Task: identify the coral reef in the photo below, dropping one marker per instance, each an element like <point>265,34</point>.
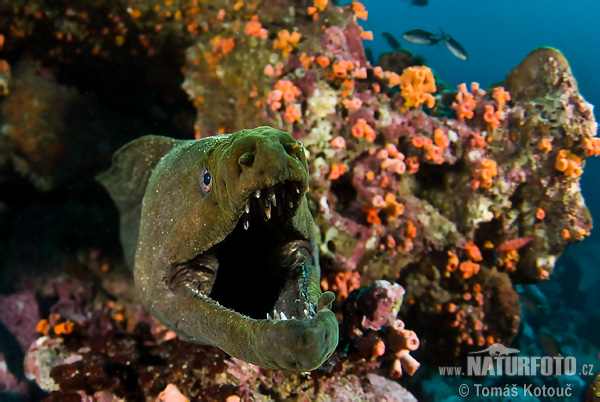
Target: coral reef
<point>457,197</point>
<point>101,355</point>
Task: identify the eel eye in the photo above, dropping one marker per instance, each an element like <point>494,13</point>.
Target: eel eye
<point>205,181</point>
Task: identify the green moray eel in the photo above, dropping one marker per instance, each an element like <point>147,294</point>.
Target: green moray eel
<point>223,244</point>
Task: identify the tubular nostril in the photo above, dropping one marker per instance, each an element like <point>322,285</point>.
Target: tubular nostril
<point>246,159</point>
<point>293,149</point>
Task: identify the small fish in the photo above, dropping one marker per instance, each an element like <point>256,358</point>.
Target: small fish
<point>533,299</point>
<point>421,37</point>
<point>419,3</point>
<point>514,244</point>
<point>551,345</point>
<point>454,47</point>
<point>393,42</point>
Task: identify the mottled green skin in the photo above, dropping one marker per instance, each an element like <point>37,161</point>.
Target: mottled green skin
<point>177,222</point>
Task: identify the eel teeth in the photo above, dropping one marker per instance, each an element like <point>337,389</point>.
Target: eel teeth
<point>276,315</point>
<point>273,198</point>
<point>246,223</point>
<point>257,194</point>
<point>309,310</point>
<point>247,206</point>
<point>268,211</point>
<point>291,204</point>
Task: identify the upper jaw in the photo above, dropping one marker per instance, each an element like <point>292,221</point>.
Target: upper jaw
<point>282,198</point>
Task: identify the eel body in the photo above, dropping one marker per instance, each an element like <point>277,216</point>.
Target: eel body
<point>223,246</point>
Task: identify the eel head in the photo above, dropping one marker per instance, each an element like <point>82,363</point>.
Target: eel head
<point>227,251</point>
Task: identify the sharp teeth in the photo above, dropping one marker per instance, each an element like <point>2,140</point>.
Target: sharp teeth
<point>268,211</point>
<point>309,309</point>
<point>273,198</point>
<point>291,204</point>
<point>246,223</point>
<point>257,194</point>
<point>283,317</point>
<point>269,316</point>
<point>297,190</point>
<point>247,206</point>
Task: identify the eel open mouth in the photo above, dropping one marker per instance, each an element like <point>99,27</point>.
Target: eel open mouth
<point>262,268</point>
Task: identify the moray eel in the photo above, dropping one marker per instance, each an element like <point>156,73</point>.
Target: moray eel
<point>223,245</point>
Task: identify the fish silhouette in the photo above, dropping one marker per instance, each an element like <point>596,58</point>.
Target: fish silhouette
<point>497,349</point>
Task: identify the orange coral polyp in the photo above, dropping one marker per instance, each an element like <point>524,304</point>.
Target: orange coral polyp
<point>452,263</point>
<point>321,4</point>
<point>545,145</point>
<point>440,139</point>
<point>292,114</point>
<point>413,164</point>
<point>468,268</point>
<point>221,45</point>
<point>362,129</point>
<point>473,252</point>
<point>568,163</point>
<point>501,96</point>
<point>255,28</point>
<point>323,61</point>
<point>492,117</point>
<point>411,231</point>
<point>465,102</point>
<point>417,85</point>
<point>366,35</point>
<point>361,73</point>
<point>341,68</point>
<point>43,326</point>
<point>540,214</point>
<point>352,104</point>
<point>358,130</point>
<point>286,41</point>
<point>417,141</point>
<point>372,214</point>
<point>338,142</point>
<point>64,328</point>
<point>486,174</point>
<point>392,207</point>
<point>592,146</point>
<point>337,171</point>
<point>483,175</point>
